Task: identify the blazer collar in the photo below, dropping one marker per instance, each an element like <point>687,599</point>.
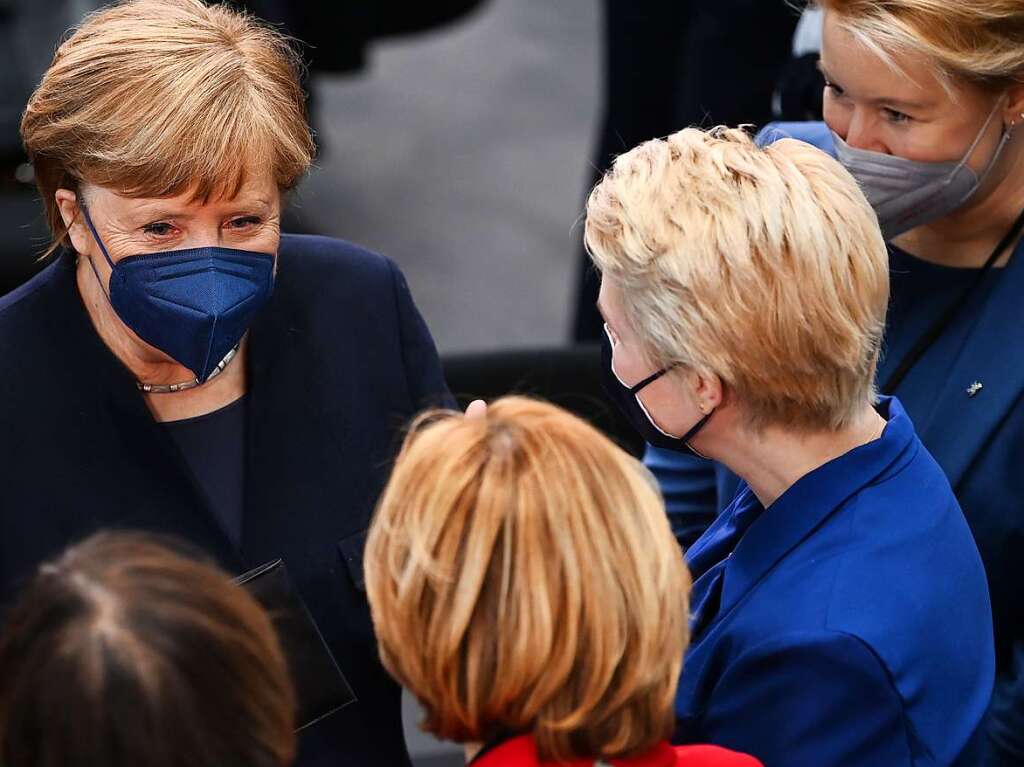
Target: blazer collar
<point>812,500</point>
<point>993,356</point>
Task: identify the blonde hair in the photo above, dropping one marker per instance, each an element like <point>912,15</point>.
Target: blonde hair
<point>523,577</point>
<point>980,41</point>
<point>153,98</point>
<point>763,266</point>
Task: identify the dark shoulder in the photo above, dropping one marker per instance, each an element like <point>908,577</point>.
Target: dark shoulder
<point>34,308</point>
<point>59,273</point>
<point>326,260</point>
<point>323,282</point>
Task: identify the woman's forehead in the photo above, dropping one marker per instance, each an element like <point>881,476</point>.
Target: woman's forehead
<point>867,73</point>
<point>259,193</point>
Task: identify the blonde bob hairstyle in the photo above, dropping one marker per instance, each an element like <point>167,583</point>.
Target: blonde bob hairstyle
<point>155,98</point>
<point>763,266</point>
<point>977,41</point>
<point>523,578</point>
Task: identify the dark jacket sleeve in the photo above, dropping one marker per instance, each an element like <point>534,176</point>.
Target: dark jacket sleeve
<point>810,699</point>
<point>423,376</point>
<point>1006,726</point>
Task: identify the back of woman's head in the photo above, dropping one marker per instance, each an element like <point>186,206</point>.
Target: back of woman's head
<point>523,578</point>
<point>123,653</point>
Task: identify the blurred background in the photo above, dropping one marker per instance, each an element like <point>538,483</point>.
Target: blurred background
<point>460,140</point>
<point>462,154</point>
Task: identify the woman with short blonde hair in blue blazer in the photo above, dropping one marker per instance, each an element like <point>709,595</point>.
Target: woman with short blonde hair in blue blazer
<point>840,610</point>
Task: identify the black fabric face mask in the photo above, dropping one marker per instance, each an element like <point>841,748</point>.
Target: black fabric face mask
<point>625,397</point>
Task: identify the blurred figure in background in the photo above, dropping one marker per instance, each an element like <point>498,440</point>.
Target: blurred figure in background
<point>799,94</point>
<point>335,35</point>
<point>30,31</point>
<point>123,653</point>
<point>526,588</point>
<point>669,64</point>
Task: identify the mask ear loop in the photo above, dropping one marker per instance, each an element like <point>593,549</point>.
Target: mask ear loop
<point>685,439</point>
<point>103,248</point>
<point>991,163</point>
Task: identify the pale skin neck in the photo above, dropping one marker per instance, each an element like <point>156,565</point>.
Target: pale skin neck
<point>149,366</point>
<point>967,237</point>
<point>472,749</point>
<point>772,461</point>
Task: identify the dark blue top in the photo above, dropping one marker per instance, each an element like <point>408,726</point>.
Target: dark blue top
<point>977,440</point>
<point>852,625</point>
<point>921,293</point>
<point>213,448</point>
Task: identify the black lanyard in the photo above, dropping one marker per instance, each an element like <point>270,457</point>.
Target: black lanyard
<point>933,333</point>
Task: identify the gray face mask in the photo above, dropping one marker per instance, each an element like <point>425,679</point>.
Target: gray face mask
<point>905,193</point>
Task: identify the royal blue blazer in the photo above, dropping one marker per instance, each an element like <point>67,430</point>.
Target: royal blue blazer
<point>978,441</point>
<point>854,625</point>
<point>338,363</point>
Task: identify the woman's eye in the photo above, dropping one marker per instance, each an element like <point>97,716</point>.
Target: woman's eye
<point>244,221</point>
<point>895,117</point>
<point>159,229</point>
<point>833,88</point>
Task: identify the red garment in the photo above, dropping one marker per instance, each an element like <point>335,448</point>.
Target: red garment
<point>522,752</point>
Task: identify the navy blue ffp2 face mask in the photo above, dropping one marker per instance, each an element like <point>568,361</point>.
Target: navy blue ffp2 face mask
<point>195,304</point>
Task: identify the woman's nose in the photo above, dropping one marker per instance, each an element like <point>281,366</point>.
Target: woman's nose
<point>861,133</point>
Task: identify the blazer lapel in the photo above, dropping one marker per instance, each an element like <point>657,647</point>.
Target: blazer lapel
<point>992,356</point>
<point>297,473</point>
<point>812,500</point>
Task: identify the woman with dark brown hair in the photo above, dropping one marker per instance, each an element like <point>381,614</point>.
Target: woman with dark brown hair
<point>124,653</point>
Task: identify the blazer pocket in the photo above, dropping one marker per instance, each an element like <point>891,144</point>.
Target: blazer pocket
<point>351,549</point>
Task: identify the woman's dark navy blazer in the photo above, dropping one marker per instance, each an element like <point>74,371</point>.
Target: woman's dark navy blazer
<point>977,440</point>
<point>338,362</point>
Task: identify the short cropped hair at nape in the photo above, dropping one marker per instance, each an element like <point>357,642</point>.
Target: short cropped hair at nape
<point>764,266</point>
<point>523,579</point>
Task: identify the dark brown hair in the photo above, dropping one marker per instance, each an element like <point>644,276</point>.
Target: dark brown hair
<point>125,653</point>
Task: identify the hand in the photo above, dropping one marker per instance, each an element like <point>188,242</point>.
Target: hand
<point>477,409</point>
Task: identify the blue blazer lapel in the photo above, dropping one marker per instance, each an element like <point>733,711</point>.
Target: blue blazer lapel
<point>992,356</point>
<point>813,499</point>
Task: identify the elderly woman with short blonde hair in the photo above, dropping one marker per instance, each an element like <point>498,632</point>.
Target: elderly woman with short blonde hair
<point>181,365</point>
<point>525,586</point>
<point>840,610</point>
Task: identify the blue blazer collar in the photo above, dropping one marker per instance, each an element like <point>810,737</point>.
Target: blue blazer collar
<point>812,500</point>
<point>992,355</point>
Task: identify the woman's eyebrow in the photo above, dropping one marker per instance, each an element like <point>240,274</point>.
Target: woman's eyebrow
<point>882,100</point>
<point>153,214</point>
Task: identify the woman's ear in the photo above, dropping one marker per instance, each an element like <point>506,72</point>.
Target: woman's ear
<point>708,391</point>
<point>1014,115</point>
<point>71,213</point>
